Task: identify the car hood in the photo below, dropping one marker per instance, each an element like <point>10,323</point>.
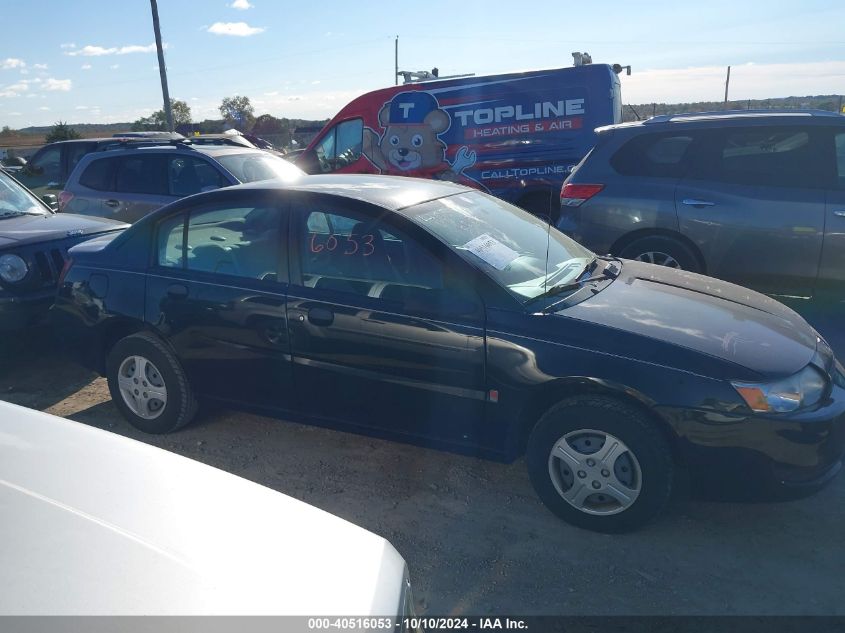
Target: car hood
<point>98,524</point>
<point>703,314</point>
<point>26,229</point>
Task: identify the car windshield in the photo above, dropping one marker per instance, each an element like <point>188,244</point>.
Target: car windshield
<point>255,166</point>
<point>509,244</point>
<point>15,200</point>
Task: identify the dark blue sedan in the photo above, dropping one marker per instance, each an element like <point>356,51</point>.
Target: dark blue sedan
<point>436,314</point>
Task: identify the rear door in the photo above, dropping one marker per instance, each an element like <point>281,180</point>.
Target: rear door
<point>216,290</point>
<point>831,282</point>
<point>754,203</point>
<point>368,347</point>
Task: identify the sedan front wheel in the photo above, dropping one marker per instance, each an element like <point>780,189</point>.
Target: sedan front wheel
<point>600,464</point>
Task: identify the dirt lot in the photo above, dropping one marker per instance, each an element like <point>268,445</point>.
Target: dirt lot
<point>476,539</point>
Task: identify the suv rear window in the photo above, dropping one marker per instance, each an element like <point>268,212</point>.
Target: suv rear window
<point>99,175</point>
<point>653,155</point>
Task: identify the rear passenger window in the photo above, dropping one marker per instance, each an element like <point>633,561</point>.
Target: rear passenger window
<point>236,241</point>
<point>653,155</point>
<point>142,174</point>
<point>188,175</point>
<point>99,175</point>
<point>769,157</point>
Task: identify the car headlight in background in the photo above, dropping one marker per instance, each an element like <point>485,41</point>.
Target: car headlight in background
<point>803,389</point>
<point>12,268</point>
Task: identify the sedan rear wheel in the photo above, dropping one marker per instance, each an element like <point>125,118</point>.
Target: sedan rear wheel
<point>148,385</point>
<point>600,463</point>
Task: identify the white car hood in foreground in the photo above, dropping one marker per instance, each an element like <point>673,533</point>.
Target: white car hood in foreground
<point>94,523</point>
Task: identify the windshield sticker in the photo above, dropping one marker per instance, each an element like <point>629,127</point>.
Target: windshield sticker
<point>491,251</point>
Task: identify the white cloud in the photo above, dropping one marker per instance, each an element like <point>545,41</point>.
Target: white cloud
<point>315,82</point>
<point>271,94</point>
<point>748,81</point>
<point>11,62</point>
<point>114,66</point>
<point>61,85</point>
<point>81,108</point>
<point>40,66</point>
<point>13,113</point>
<point>240,29</point>
<point>14,90</point>
<point>100,51</point>
<point>24,71</point>
<point>241,5</point>
<point>44,109</point>
<point>68,45</point>
<point>86,66</point>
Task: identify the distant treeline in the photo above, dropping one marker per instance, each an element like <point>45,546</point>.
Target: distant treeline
<point>832,103</point>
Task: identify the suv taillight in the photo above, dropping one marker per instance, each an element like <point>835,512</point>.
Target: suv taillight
<point>64,199</point>
<point>576,195</point>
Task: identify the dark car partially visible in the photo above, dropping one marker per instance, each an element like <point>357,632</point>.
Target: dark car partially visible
<point>33,251</point>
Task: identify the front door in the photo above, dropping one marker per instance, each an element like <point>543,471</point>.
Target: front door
<point>369,344</point>
<point>754,203</point>
<point>217,290</point>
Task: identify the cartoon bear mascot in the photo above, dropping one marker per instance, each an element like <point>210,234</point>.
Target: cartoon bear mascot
<point>410,145</point>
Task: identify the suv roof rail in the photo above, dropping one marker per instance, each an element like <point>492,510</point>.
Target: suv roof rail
<point>136,142</point>
<point>713,114</point>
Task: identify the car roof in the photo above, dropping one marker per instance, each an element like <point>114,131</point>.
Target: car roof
<point>730,118</point>
<point>391,192</point>
<point>103,524</point>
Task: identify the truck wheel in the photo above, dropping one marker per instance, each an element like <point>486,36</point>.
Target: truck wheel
<point>663,251</point>
<point>600,464</point>
<point>148,385</point>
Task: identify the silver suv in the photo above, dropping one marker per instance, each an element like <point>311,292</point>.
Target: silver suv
<point>127,184</point>
<point>752,197</point>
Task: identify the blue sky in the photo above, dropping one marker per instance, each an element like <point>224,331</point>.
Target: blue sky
<point>93,60</point>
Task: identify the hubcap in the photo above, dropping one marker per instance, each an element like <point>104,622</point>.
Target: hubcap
<point>659,258</point>
<point>142,387</point>
<point>595,472</point>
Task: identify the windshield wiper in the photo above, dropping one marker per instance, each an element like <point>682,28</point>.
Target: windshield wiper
<point>610,272</point>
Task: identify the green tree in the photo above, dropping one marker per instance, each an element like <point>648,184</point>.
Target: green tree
<point>61,131</point>
<point>268,124</point>
<point>238,111</point>
<point>158,121</point>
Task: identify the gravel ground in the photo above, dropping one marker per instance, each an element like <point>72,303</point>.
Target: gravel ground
<point>475,537</point>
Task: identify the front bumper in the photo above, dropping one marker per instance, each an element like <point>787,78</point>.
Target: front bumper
<point>19,311</point>
<point>755,457</point>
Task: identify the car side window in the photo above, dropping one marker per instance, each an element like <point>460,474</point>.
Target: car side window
<point>188,175</point>
<point>839,140</point>
<point>142,174</point>
<point>765,156</point>
<point>341,146</point>
<point>344,251</point>
<point>653,155</point>
<point>75,152</point>
<point>239,241</point>
<point>45,169</point>
<point>99,175</point>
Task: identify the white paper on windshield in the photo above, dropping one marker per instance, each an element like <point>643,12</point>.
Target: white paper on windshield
<point>492,251</point>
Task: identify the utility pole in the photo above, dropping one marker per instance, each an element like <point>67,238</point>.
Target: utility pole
<point>161,69</point>
<point>727,84</point>
<point>396,62</point>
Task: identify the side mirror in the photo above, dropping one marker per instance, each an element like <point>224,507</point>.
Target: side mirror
<point>51,201</point>
<point>307,161</point>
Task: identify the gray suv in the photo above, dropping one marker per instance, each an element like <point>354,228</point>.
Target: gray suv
<point>752,197</point>
<point>128,183</point>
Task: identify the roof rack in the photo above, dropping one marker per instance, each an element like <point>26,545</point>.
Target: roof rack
<point>187,143</point>
<point>716,114</point>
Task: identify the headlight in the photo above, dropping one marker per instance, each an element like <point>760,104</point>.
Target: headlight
<point>803,389</point>
<point>12,268</point>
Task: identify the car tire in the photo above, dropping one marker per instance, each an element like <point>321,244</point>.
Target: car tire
<point>640,469</point>
<point>663,251</point>
<point>148,385</point>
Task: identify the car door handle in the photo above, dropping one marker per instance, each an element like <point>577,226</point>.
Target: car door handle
<point>177,291</point>
<point>320,316</point>
<point>839,213</point>
<point>695,202</point>
<point>112,203</point>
